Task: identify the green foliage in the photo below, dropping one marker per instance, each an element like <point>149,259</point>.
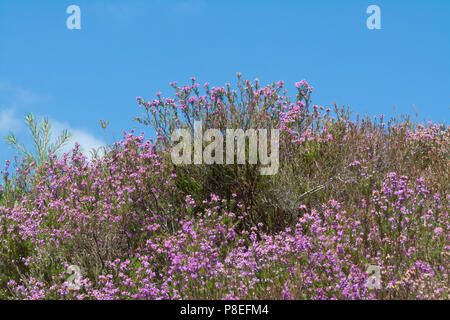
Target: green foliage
<point>40,131</point>
<point>32,161</point>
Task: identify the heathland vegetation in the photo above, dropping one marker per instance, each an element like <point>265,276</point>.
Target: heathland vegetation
<point>350,192</point>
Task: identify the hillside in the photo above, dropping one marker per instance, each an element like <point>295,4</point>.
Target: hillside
<point>350,194</point>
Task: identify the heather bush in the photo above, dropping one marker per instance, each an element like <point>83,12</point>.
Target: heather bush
<point>350,192</point>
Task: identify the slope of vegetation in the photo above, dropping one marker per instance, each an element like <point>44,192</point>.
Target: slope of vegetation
<point>349,193</point>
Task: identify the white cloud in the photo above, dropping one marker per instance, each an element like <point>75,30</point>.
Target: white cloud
<point>9,122</point>
<point>86,140</point>
<point>15,98</point>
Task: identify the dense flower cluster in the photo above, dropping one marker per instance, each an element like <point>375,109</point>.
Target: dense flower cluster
<point>127,220</point>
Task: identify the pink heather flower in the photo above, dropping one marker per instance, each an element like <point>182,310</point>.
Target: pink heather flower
<point>287,295</point>
<point>214,198</point>
<point>302,83</point>
<point>438,230</point>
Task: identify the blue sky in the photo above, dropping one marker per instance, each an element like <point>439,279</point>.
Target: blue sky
<point>136,48</point>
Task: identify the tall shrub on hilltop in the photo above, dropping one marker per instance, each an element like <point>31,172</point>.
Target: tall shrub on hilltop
<point>251,106</point>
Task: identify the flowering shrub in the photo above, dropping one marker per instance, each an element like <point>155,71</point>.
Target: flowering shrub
<point>349,194</point>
